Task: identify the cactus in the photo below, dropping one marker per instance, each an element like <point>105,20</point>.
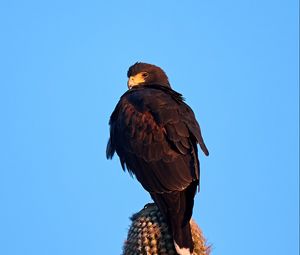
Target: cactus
<point>149,235</point>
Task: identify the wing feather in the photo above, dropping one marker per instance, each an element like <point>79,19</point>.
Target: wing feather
<point>155,134</point>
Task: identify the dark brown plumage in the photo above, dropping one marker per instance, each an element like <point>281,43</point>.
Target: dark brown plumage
<point>155,135</point>
<point>156,74</point>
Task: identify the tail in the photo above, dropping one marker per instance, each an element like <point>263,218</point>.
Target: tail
<point>183,241</point>
<point>177,207</point>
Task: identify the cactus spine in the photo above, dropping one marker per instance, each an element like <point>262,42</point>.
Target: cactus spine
<point>149,235</point>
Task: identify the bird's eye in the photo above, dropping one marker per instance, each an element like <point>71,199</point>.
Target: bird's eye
<point>145,75</point>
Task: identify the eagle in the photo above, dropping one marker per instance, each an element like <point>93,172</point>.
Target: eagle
<point>155,134</point>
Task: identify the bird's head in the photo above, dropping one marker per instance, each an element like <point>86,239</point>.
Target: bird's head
<point>146,74</point>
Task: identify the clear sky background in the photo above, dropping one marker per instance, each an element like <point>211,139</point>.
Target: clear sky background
<point>63,68</point>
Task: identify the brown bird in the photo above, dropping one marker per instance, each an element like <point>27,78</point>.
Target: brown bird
<point>155,134</point>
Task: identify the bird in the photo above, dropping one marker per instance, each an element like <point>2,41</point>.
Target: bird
<point>156,136</point>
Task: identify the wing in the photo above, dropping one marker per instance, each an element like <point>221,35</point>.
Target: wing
<point>155,135</point>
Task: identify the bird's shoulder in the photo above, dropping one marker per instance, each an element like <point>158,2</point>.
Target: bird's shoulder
<point>156,111</point>
<point>161,105</point>
<point>152,93</point>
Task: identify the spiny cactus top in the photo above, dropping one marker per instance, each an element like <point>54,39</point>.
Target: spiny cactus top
<point>149,235</point>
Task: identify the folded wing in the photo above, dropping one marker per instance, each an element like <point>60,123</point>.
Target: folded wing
<point>155,135</point>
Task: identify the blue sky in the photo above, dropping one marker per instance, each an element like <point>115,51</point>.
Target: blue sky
<point>63,68</point>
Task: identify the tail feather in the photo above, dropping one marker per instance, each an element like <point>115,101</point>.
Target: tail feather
<point>183,241</point>
<point>177,207</point>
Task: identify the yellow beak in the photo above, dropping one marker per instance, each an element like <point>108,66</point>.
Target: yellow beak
<point>131,82</point>
<point>135,80</point>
